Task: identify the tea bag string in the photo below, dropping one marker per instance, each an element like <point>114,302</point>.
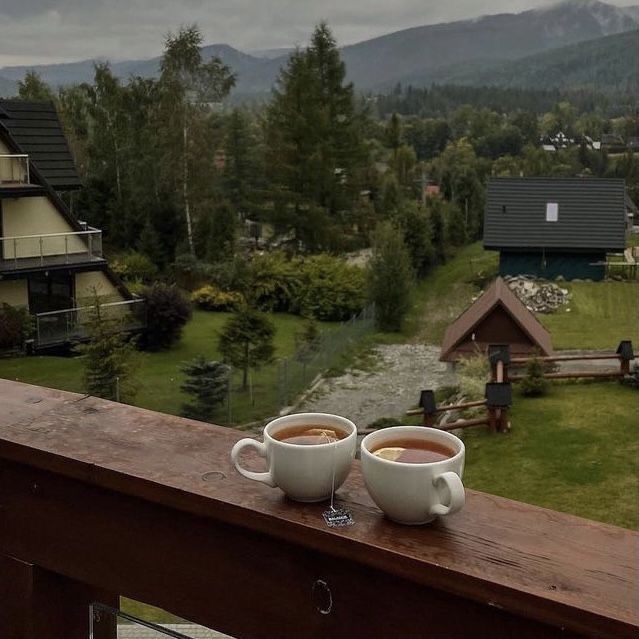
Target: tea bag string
<point>328,441</point>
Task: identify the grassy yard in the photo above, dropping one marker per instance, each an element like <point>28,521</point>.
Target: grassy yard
<point>158,373</point>
<point>574,450</point>
<point>601,313</point>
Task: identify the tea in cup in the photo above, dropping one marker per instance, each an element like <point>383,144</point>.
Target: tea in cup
<point>413,473</point>
<point>309,455</point>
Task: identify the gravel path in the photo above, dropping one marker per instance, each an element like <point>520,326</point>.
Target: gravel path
<point>388,391</point>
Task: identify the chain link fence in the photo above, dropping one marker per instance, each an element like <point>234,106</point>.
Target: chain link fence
<point>272,388</point>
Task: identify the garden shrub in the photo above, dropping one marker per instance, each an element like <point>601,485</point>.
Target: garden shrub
<point>273,282</point>
<point>331,290</point>
<point>167,311</point>
<point>473,372</point>
<point>534,383</point>
<point>211,298</point>
<point>134,266</point>
<point>16,326</point>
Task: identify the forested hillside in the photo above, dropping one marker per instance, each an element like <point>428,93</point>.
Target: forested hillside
<point>604,64</point>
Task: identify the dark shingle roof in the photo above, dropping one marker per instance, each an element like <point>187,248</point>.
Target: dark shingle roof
<point>497,294</point>
<point>36,129</point>
<point>591,213</point>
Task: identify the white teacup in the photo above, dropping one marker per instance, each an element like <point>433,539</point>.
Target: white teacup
<point>411,493</point>
<point>304,473</point>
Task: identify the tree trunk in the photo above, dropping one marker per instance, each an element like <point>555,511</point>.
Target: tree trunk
<point>185,187</point>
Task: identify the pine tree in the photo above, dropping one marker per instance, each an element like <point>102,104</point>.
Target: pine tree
<point>390,277</point>
<point>207,383</point>
<point>240,171</point>
<point>222,234</point>
<point>314,144</point>
<point>149,243</point>
<point>246,341</point>
<point>108,357</point>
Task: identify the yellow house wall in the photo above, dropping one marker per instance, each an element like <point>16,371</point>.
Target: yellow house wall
<point>14,292</point>
<point>87,282</point>
<point>36,216</point>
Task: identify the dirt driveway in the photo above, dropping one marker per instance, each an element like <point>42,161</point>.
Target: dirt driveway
<point>388,391</point>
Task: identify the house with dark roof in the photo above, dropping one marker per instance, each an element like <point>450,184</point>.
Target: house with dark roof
<point>552,227</point>
<point>496,317</point>
<point>51,263</point>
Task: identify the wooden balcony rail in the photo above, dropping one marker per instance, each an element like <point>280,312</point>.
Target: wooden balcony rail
<point>99,499</point>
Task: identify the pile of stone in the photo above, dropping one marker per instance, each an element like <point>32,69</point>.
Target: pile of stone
<point>538,297</point>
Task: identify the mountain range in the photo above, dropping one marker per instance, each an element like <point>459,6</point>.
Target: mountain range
<point>497,49</point>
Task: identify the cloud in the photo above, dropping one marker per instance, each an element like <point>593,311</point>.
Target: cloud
<point>51,31</point>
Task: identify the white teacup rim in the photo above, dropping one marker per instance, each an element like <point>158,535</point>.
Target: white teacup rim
<point>344,421</point>
<point>416,430</point>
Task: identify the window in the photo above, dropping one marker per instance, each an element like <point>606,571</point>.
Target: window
<point>552,212</point>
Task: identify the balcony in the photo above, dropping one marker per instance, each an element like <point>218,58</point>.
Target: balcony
<point>70,325</point>
<point>100,499</point>
<point>26,252</point>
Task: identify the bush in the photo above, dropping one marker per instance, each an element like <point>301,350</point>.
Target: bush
<point>134,266</point>
<point>534,384</point>
<point>16,326</point>
<point>273,282</point>
<point>167,311</point>
<point>211,298</point>
<point>331,290</point>
<point>473,372</point>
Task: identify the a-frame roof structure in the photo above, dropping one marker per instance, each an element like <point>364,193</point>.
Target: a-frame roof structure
<point>497,294</point>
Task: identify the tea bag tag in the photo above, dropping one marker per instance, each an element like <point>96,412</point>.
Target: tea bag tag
<point>336,517</point>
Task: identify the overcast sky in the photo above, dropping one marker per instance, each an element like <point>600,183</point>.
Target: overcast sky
<point>48,31</point>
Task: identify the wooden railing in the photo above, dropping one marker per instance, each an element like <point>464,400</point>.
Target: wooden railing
<point>99,499</point>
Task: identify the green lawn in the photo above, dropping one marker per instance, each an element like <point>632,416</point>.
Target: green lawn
<point>601,314</point>
<point>574,450</point>
<point>159,376</point>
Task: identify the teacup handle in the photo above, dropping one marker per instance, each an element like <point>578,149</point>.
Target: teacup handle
<point>265,478</point>
<point>457,494</point>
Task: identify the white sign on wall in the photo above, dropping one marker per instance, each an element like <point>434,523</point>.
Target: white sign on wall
<point>552,212</point>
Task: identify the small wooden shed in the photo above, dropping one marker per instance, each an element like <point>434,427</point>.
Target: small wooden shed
<point>496,317</point>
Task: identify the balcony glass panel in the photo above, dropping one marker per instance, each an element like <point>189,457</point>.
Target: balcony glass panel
<point>130,627</point>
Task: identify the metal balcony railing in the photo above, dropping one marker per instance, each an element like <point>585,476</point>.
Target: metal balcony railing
<point>14,169</point>
<point>48,249</point>
<point>70,324</point>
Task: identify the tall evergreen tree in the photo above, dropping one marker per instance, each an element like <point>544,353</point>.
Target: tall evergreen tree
<point>240,171</point>
<point>390,277</point>
<point>222,234</point>
<point>314,148</point>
